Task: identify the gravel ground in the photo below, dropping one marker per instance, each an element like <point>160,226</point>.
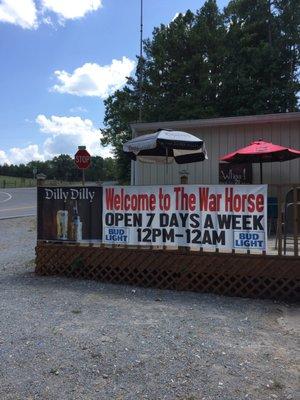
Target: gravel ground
<point>70,339</point>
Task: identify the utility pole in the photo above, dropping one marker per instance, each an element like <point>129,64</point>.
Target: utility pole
<point>141,62</point>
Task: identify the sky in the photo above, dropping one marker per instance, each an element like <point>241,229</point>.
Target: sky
<point>60,59</point>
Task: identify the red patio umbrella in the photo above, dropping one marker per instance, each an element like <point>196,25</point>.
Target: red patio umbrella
<point>261,152</point>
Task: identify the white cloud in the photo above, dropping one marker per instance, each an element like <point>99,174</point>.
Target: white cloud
<point>93,79</point>
<point>71,9</point>
<point>29,13</point>
<point>63,136</point>
<point>67,133</point>
<point>175,16</point>
<point>19,12</point>
<point>56,125</point>
<point>20,155</point>
<point>47,21</point>
<point>3,158</point>
<point>78,109</point>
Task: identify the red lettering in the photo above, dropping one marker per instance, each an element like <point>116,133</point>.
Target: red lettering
<point>245,202</point>
<point>122,201</point>
<point>177,191</point>
<point>133,202</point>
<point>117,202</point>
<point>152,202</point>
<point>183,200</point>
<point>237,203</point>
<point>109,198</point>
<point>203,195</point>
<point>251,203</point>
<point>160,199</point>
<point>260,202</point>
<point>192,202</point>
<point>127,202</point>
<point>228,199</point>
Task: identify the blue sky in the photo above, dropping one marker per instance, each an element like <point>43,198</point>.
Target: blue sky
<point>59,60</point>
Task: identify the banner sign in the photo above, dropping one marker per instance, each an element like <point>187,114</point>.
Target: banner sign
<point>208,216</point>
<point>71,214</point>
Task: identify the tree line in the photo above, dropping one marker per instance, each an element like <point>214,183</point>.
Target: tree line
<point>63,168</point>
<point>243,60</point>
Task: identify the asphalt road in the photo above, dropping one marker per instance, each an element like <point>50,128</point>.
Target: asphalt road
<point>17,202</point>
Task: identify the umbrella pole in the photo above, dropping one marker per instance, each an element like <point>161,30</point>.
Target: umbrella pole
<point>167,172</point>
<point>261,173</point>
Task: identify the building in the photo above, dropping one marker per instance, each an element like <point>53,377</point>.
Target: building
<point>222,136</point>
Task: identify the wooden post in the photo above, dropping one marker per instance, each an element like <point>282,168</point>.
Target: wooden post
<point>295,220</point>
<point>261,173</point>
<point>279,220</point>
<point>184,180</point>
<point>40,179</point>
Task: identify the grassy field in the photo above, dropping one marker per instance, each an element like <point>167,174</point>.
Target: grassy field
<point>12,181</point>
<point>15,182</point>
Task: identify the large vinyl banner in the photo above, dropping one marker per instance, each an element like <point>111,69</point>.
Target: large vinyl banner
<point>70,214</point>
<point>214,216</point>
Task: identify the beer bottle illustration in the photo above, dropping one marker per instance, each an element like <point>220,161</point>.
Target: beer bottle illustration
<point>76,225</point>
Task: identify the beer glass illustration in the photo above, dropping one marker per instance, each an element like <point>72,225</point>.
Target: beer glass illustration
<point>62,224</point>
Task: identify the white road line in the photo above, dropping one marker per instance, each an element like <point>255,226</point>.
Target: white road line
<point>7,194</point>
<point>17,189</point>
<point>18,208</point>
<point>18,216</point>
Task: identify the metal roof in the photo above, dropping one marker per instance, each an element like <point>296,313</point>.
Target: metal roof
<point>139,127</point>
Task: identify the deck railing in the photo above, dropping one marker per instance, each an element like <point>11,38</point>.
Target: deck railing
<point>274,273</point>
<point>288,218</point>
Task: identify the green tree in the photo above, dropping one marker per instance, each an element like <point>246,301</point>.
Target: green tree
<point>207,64</point>
<point>261,57</point>
<point>183,65</point>
<point>121,109</point>
<point>289,25</point>
<point>63,168</point>
<point>181,73</point>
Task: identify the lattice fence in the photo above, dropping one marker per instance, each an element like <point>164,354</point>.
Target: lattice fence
<point>242,275</point>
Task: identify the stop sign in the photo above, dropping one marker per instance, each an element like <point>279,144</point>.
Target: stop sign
<point>82,159</point>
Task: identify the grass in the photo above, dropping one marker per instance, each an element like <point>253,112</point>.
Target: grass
<point>12,181</point>
<point>276,385</point>
<point>30,263</point>
<point>76,311</point>
<point>16,182</point>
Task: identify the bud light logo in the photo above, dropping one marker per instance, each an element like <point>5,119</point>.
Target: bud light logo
<point>116,235</point>
<point>249,240</point>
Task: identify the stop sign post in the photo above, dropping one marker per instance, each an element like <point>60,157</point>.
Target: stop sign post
<point>82,160</point>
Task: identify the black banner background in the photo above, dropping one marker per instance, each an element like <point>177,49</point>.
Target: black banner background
<point>236,174</point>
<point>76,203</point>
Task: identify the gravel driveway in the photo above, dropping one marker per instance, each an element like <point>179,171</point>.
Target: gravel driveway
<point>71,339</point>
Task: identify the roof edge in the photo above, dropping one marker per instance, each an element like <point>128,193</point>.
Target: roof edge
<point>222,121</point>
